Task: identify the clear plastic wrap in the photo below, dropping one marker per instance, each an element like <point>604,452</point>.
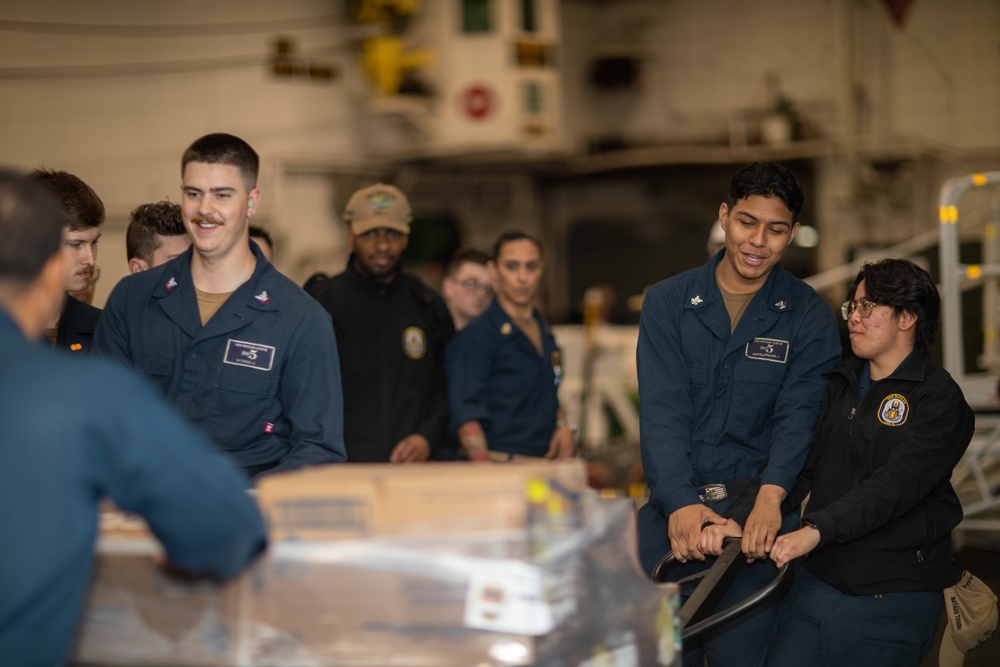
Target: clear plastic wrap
<point>545,575</point>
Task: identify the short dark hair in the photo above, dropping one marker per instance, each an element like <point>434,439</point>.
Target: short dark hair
<point>148,222</point>
<point>511,236</point>
<point>262,233</point>
<point>902,285</point>
<point>767,179</point>
<point>221,148</point>
<point>81,207</point>
<point>463,255</point>
<point>31,225</point>
<point>315,286</point>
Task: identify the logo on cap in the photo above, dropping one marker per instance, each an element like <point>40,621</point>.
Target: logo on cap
<point>381,203</point>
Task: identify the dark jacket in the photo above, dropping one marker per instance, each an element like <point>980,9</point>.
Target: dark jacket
<point>391,339</point>
<point>879,473</point>
<point>76,325</point>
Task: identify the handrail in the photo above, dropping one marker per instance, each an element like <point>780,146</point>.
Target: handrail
<point>952,268</point>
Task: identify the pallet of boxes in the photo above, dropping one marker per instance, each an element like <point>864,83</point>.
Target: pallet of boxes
<point>436,565</point>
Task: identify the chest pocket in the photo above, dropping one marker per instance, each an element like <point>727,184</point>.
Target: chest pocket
<point>255,383</point>
<point>157,368</point>
<point>755,388</point>
<point>243,403</point>
<point>698,373</point>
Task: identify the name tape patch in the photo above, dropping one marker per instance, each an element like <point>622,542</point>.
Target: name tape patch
<point>768,349</point>
<point>249,355</point>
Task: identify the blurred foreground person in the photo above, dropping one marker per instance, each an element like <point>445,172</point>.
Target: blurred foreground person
<point>77,430</point>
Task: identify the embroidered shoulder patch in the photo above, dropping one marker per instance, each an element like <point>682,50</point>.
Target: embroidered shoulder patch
<point>894,410</point>
<point>768,349</point>
<point>414,342</point>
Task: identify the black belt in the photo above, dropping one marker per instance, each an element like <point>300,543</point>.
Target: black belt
<point>713,493</point>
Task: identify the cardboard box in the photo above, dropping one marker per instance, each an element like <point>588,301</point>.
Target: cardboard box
<point>433,564</point>
<point>361,501</point>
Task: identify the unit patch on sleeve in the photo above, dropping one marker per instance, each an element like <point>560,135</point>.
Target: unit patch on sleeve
<point>249,355</point>
<point>768,349</point>
<point>894,410</point>
<point>414,342</point>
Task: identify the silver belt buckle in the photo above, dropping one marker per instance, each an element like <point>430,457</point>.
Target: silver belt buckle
<point>713,493</point>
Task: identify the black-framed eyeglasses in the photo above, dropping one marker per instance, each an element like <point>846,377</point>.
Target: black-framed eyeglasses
<point>863,306</point>
<point>475,285</point>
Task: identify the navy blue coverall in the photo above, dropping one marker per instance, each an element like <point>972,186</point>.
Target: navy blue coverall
<point>76,325</point>
<point>497,377</point>
<point>716,408</point>
<point>77,429</point>
<point>262,377</point>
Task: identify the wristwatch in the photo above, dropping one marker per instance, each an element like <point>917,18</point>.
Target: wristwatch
<point>809,524</point>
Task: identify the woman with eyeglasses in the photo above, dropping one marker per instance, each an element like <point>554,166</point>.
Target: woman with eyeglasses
<point>876,531</point>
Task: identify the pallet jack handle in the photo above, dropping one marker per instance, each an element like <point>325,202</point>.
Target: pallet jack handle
<point>695,613</point>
